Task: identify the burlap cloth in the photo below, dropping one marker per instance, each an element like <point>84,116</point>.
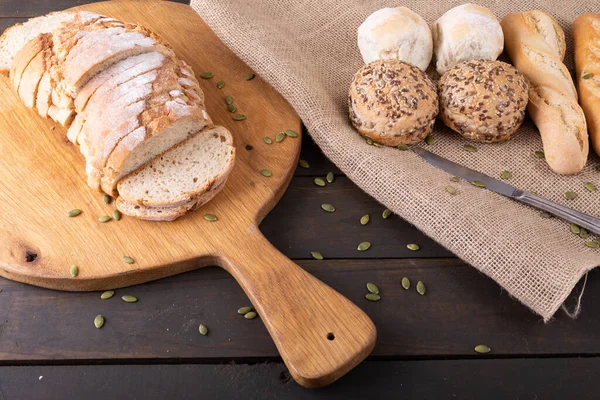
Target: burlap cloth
<point>307,50</point>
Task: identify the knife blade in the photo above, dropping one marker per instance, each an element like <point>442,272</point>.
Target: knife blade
<point>580,219</point>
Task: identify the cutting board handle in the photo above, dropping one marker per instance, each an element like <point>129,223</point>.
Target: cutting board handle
<point>319,333</point>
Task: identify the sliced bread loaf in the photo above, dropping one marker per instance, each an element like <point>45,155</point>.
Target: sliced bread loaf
<point>26,54</point>
<point>32,76</point>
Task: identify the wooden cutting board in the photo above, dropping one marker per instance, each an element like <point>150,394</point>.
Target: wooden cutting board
<point>319,333</point>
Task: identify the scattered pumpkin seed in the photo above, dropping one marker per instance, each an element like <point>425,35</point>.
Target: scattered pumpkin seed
<point>106,199</point>
<point>104,218</point>
<point>291,133</point>
<point>73,213</point>
<point>220,84</point>
<point>455,179</point>
<point>116,215</point>
<point>129,299</point>
<point>402,147</point>
<point>451,189</point>
<point>128,260</point>
<point>570,195</point>
<point>203,329</point>
<point>470,148</point>
<point>587,76</point>
<point>413,246</point>
<point>592,244</point>
<point>583,233</point>
<point>574,229</point>
<point>482,349</point>
<point>330,177</point>
<point>266,172</point>
<point>590,186</point>
<point>429,139</point>
<point>249,77</point>
<point>231,108</point>
<point>597,240</point>
<point>316,255</point>
<point>303,163</point>
<point>545,215</point>
<point>319,182</point>
<point>365,219</point>
<point>210,217</point>
<point>539,154</point>
<point>250,315</point>
<point>386,213</point>
<point>107,295</point>
<point>372,297</point>
<point>372,288</point>
<point>268,140</point>
<point>328,207</point>
<point>421,288</point>
<point>229,100</point>
<point>74,270</point>
<point>280,136</point>
<point>506,175</point>
<point>378,145</point>
<point>99,321</point>
<point>406,283</point>
<point>363,246</point>
<point>369,141</point>
<point>239,117</point>
<point>206,75</point>
<point>478,184</point>
<point>244,310</point>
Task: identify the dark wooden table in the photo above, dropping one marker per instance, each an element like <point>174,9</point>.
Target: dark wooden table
<point>50,349</point>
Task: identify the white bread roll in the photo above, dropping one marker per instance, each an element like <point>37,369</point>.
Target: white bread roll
<point>396,33</point>
<point>467,32</point>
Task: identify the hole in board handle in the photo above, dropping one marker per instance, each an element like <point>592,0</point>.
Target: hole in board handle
<point>330,336</point>
<point>30,256</point>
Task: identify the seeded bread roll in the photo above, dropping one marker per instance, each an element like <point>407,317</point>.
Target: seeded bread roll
<point>392,102</point>
<point>483,100</point>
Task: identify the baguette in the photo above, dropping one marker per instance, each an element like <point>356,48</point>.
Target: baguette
<point>536,45</point>
<point>586,38</point>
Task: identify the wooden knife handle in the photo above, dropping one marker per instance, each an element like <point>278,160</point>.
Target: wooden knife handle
<point>319,333</point>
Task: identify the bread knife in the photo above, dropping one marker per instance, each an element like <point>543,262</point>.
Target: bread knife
<point>580,219</point>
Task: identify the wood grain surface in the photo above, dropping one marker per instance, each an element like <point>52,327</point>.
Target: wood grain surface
<point>39,242</point>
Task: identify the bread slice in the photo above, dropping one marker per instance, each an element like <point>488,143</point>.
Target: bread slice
<point>26,54</point>
<point>63,116</point>
<point>32,76</point>
<point>44,95</point>
<point>183,173</point>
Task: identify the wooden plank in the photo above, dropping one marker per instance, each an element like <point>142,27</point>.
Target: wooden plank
<point>461,309</point>
<point>559,378</point>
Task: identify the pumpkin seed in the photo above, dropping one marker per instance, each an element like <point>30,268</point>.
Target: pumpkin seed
<point>104,218</point>
<point>73,213</point>
<point>250,315</point>
<point>328,207</point>
<point>506,175</point>
<point>128,260</point>
<point>402,147</point>
<point>451,190</point>
<point>406,283</point>
<point>280,136</point>
<point>363,246</point>
<point>590,186</point>
<point>244,310</point>
<point>371,287</point>
<point>478,184</point>
<point>291,133</point>
<point>386,213</point>
<point>455,179</point>
<point>239,117</point>
<point>229,100</point>
<point>429,139</point>
<point>372,297</point>
<point>74,270</point>
<point>378,145</point>
<point>369,141</point>
<point>106,199</point>
<point>316,255</point>
<point>206,75</point>
<point>587,76</point>
<point>319,182</point>
<point>303,163</point>
<point>545,215</point>
<point>249,77</point>
<point>592,244</point>
<point>99,321</point>
<point>575,229</point>
<point>583,233</point>
<point>570,195</point>
<point>482,349</point>
<point>203,330</point>
<point>210,217</point>
<point>266,172</point>
<point>421,288</point>
<point>470,148</point>
<point>220,84</point>
<point>268,140</point>
<point>231,108</point>
<point>413,246</point>
<point>330,177</point>
<point>129,299</point>
<point>107,295</point>
<point>365,219</point>
<point>116,215</point>
<point>539,154</point>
